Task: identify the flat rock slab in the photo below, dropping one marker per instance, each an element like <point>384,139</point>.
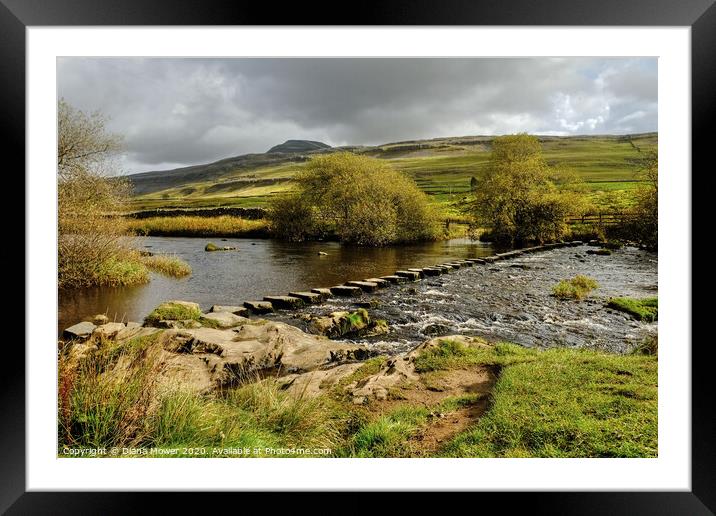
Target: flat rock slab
<point>444,269</point>
<point>307,297</point>
<point>477,261</point>
<point>430,271</point>
<point>225,319</point>
<point>325,293</point>
<point>285,302</point>
<point>236,310</point>
<point>419,271</point>
<point>382,283</point>
<point>454,265</point>
<point>366,286</point>
<point>466,263</point>
<point>408,274</point>
<point>490,259</point>
<point>346,290</point>
<point>394,279</point>
<point>259,307</point>
<point>79,331</point>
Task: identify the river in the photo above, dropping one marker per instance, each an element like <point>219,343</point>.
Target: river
<point>256,269</point>
<point>508,300</point>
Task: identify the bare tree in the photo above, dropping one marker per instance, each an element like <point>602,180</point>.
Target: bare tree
<point>89,243</point>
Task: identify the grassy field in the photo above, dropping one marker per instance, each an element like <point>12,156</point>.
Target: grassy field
<point>543,403</point>
<point>441,167</point>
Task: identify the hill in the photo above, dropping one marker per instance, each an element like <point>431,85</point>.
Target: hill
<point>442,167</point>
<point>291,146</point>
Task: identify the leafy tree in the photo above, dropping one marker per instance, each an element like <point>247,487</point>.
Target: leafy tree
<point>519,200</point>
<point>358,199</point>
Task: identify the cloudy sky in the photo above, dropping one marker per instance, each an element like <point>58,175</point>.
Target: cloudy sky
<point>178,112</point>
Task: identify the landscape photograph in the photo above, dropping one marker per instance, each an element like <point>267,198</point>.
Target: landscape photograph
<point>357,257</point>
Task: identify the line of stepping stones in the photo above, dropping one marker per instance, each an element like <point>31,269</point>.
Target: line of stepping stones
<point>296,300</point>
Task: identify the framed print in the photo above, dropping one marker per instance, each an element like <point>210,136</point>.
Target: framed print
<point>421,252</point>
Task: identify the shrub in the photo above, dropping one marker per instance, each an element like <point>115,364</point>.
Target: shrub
<point>575,288</point>
<point>357,199</point>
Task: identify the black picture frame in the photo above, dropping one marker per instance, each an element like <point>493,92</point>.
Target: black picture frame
<point>700,15</point>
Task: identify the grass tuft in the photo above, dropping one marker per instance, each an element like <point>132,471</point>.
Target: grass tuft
<point>167,265</point>
<point>575,288</point>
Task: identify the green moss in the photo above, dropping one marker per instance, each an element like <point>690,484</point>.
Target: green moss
<point>646,309</point>
<point>211,247</point>
<point>172,312</point>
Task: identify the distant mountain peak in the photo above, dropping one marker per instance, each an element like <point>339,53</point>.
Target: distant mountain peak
<point>290,146</point>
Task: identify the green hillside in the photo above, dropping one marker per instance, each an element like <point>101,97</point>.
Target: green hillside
<point>442,167</point>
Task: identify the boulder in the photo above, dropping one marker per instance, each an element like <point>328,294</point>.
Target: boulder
<point>339,324</point>
<point>285,302</point>
<point>236,310</point>
<point>79,331</point>
<point>222,319</point>
<point>321,253</point>
<point>108,331</point>
<point>259,307</point>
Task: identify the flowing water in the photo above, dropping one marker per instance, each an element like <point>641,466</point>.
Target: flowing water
<point>508,300</point>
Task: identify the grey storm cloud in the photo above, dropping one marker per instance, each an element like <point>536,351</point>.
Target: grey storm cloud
<point>176,112</point>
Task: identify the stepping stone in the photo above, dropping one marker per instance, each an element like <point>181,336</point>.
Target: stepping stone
<point>285,302</point>
<point>307,297</point>
<point>382,283</point>
<point>394,279</point>
<point>444,269</point>
<point>346,290</point>
<point>509,254</point>
<point>236,310</point>
<point>79,331</point>
<point>490,259</point>
<point>325,293</point>
<point>419,271</point>
<point>430,271</point>
<point>575,243</point>
<point>454,265</point>
<point>466,263</point>
<point>367,286</point>
<point>259,307</point>
<point>478,261</point>
<point>408,274</point>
